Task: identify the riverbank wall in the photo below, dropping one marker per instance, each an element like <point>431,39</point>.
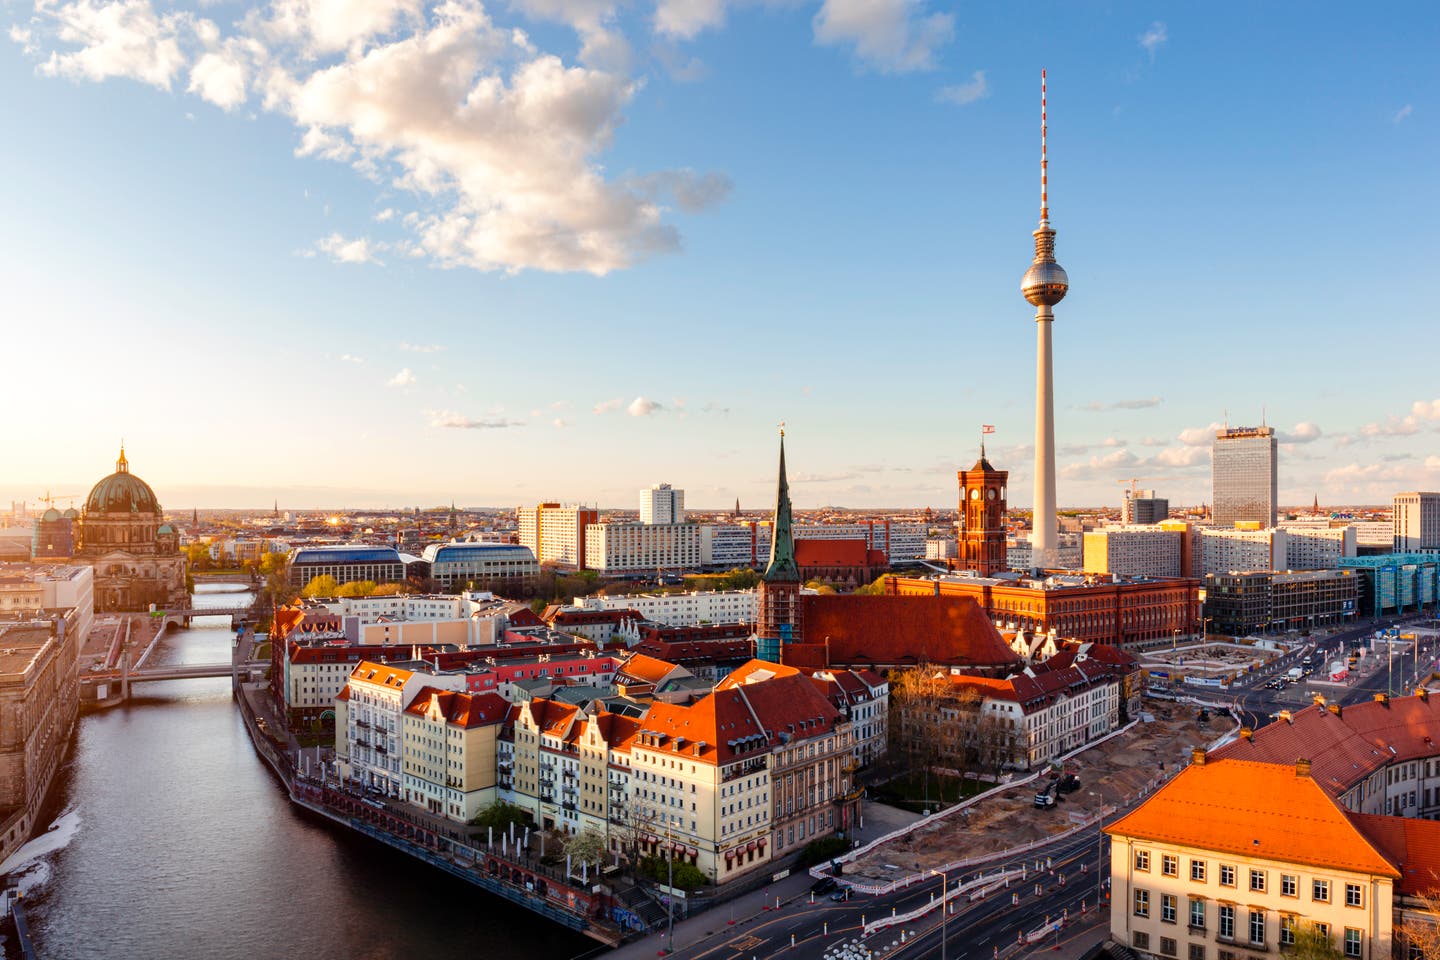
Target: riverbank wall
<point>528,885</point>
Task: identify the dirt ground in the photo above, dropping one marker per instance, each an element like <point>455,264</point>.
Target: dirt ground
<point>1110,774</point>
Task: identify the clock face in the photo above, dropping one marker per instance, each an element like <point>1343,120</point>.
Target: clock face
<point>974,494</point>
<point>991,493</point>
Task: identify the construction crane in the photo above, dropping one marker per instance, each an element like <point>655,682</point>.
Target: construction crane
<point>49,500</point>
<point>1134,480</point>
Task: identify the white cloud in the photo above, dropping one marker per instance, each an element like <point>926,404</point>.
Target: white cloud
<point>962,93</point>
<point>892,36</point>
<point>450,420</point>
<point>422,347</point>
<point>1303,432</point>
<point>497,143</point>
<point>1107,464</point>
<point>405,378</point>
<point>1200,436</point>
<point>1154,38</point>
<point>1191,456</point>
<point>608,406</point>
<point>643,407</point>
<point>683,19</point>
<point>1402,113</point>
<point>348,250</point>
<point>1143,403</point>
<point>25,37</point>
<point>1421,411</point>
<point>559,424</point>
<point>351,358</point>
<point>125,38</point>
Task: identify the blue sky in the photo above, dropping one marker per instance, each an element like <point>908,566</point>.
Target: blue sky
<point>377,252</point>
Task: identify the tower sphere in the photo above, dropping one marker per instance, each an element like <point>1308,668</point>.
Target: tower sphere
<point>1045,283</point>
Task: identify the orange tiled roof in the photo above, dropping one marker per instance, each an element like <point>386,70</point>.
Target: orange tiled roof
<point>895,631</point>
<point>644,669</point>
<point>1346,748</point>
<point>755,671</point>
<point>831,553</point>
<point>1261,810</point>
<point>380,673</point>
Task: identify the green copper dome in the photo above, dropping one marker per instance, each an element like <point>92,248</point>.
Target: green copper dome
<point>122,492</point>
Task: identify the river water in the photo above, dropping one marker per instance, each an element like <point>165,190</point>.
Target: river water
<point>173,839</point>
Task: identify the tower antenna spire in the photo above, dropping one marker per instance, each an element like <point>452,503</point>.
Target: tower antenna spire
<point>1044,157</point>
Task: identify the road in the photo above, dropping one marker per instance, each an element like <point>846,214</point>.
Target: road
<point>1069,881</point>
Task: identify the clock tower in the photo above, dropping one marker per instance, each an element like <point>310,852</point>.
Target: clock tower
<point>982,517</point>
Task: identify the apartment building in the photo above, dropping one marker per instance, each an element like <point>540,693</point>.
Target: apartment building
<point>624,548</point>
<point>662,503</point>
<point>863,698</point>
<point>555,533</point>
<point>681,609</point>
<point>1416,520</point>
<point>1134,551</point>
<point>375,696</point>
<point>449,750</point>
<point>1316,547</point>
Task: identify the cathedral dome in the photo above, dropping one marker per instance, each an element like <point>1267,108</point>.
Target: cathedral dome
<point>122,492</point>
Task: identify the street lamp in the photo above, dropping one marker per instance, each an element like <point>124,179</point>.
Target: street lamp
<point>944,907</point>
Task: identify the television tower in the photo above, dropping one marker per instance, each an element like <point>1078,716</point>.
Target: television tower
<point>1044,285</point>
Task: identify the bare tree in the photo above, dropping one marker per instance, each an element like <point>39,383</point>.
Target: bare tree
<point>1419,930</point>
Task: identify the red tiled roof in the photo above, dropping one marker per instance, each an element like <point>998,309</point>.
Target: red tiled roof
<point>692,651</point>
<point>895,631</point>
<point>1345,749</point>
<point>643,669</point>
<point>466,710</point>
<point>1260,810</point>
<point>831,553</point>
<point>1411,843</point>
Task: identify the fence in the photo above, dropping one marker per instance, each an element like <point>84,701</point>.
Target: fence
<point>984,883</point>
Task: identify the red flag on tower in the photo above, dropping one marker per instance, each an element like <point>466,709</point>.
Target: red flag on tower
<point>987,428</point>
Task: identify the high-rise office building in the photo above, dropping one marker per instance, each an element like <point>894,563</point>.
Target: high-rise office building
<point>1243,476</point>
<point>1417,522</point>
<point>662,503</point>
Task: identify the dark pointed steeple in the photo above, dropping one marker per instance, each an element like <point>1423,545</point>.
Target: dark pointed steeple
<point>782,567</point>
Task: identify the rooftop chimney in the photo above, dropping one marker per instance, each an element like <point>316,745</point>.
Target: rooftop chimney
<point>1246,733</point>
<point>1197,756</point>
<point>1302,767</point>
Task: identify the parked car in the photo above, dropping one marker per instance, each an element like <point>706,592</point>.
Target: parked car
<point>840,896</point>
<point>823,885</point>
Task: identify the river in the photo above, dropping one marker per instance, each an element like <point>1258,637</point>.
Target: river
<point>172,839</point>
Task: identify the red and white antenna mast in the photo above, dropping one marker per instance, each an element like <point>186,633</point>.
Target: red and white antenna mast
<point>1044,159</point>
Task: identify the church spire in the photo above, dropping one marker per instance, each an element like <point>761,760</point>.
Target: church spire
<point>122,465</point>
<point>782,567</point>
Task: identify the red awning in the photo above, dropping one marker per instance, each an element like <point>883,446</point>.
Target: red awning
<point>750,846</point>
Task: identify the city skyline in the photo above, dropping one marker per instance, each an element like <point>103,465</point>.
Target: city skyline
<point>870,177</point>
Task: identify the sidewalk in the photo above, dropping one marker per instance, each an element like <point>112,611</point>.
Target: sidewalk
<point>715,924</point>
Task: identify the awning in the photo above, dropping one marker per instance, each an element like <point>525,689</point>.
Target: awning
<point>729,854</point>
<point>750,846</point>
<point>692,851</point>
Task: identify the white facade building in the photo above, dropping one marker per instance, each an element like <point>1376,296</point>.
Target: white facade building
<point>681,609</point>
<point>1416,519</point>
<point>726,546</point>
<point>642,547</point>
<point>662,503</point>
<point>1225,549</point>
<point>1317,548</point>
<point>555,533</point>
<point>1133,551</point>
<point>376,696</point>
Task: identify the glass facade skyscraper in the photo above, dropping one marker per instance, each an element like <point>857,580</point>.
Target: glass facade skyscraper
<point>1243,476</point>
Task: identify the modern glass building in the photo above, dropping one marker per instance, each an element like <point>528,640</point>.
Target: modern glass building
<point>1396,582</point>
<point>486,566</point>
<point>1243,475</point>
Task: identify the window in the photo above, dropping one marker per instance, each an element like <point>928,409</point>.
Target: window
<point>1170,865</point>
<point>1352,942</point>
<point>1227,922</point>
<point>1197,951</point>
<point>1257,881</point>
<point>1257,926</point>
<point>1142,859</point>
<point>1167,907</point>
<point>1320,891</point>
<point>1353,896</point>
<point>1289,885</point>
<point>1287,931</point>
<point>1167,946</point>
<point>1197,914</point>
<point>1141,940</point>
<point>1142,903</point>
<point>1197,870</point>
<point>1227,875</point>
<point>1323,930</point>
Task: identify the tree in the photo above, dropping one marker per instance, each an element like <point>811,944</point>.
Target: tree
<point>875,588</point>
<point>917,722</point>
<point>1419,930</point>
<point>500,815</point>
<point>355,588</point>
<point>271,561</point>
<point>1311,944</point>
<point>321,586</point>
<point>587,846</point>
<point>197,554</point>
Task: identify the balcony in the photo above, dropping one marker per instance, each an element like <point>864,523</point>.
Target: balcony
<point>362,723</point>
<point>380,748</point>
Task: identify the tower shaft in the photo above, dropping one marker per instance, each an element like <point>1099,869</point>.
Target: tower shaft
<point>1045,528</point>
